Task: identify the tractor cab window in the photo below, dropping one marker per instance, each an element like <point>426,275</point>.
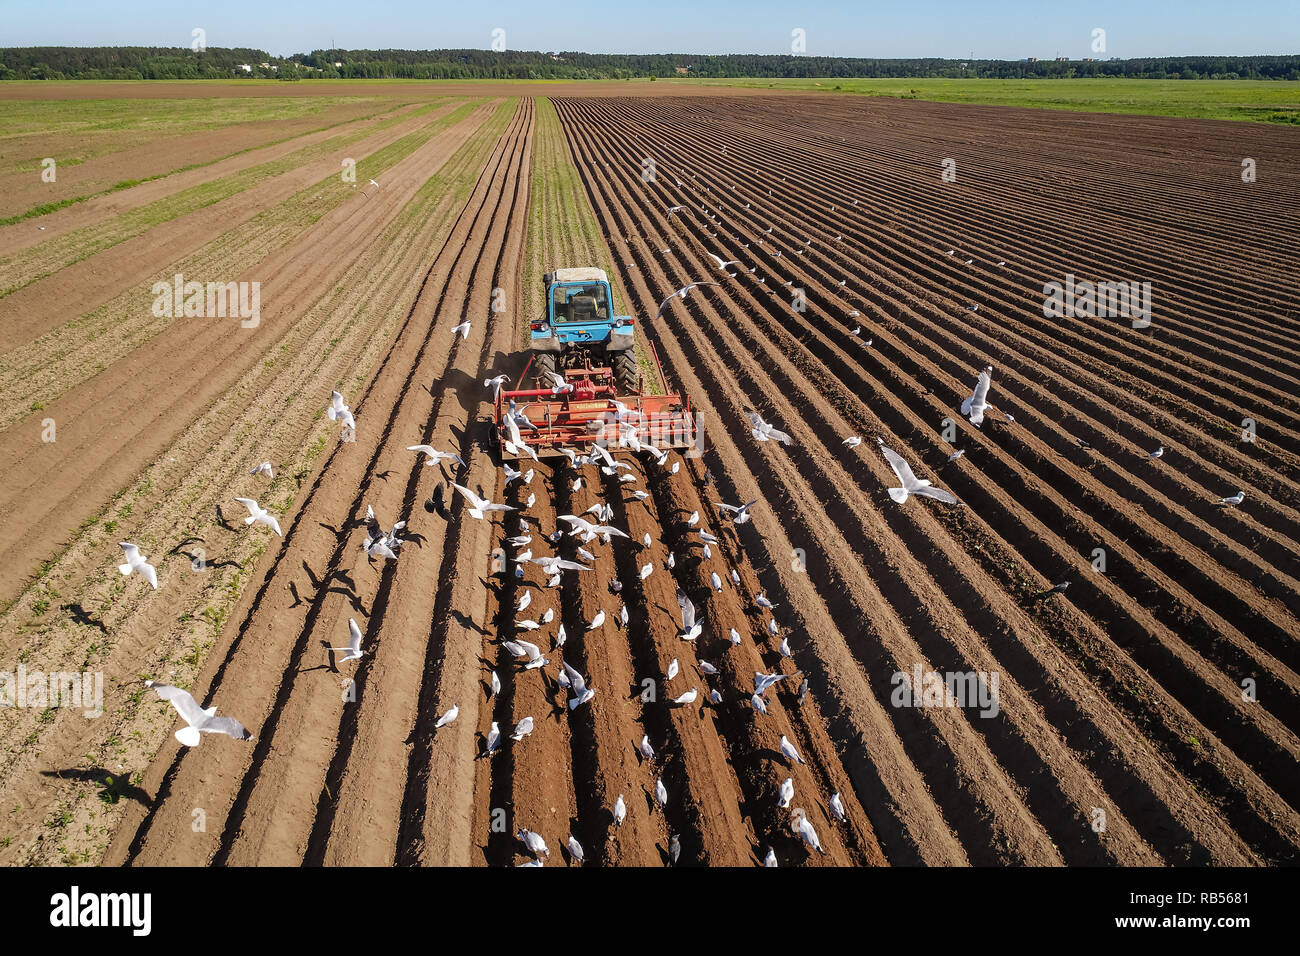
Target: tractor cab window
<point>578,303</point>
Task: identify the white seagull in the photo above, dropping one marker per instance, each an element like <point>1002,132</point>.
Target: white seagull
<point>338,412</point>
<point>200,721</point>
<point>259,515</point>
<point>691,628</point>
<point>479,506</point>
<point>911,484</point>
<point>135,561</point>
<point>433,456</point>
<point>353,651</point>
<point>975,406</point>
<point>762,431</point>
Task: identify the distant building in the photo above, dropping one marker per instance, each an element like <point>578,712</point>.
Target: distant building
<point>1031,59</point>
<point>682,70</point>
<point>246,67</point>
<point>1062,59</point>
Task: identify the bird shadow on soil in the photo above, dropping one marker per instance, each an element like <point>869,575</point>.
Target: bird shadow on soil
<point>84,618</point>
<point>467,622</point>
<point>193,557</point>
<point>113,786</point>
<point>331,666</point>
<point>221,520</point>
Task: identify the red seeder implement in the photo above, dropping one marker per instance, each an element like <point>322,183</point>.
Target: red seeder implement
<point>580,418</point>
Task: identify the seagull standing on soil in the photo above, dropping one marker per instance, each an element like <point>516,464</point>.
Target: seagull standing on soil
<point>787,793</point>
<point>200,721</point>
<point>1236,499</point>
<point>522,729</point>
<point>837,807</point>
<point>448,717</point>
<point>135,561</point>
<point>620,811</point>
<point>536,845</point>
<point>803,827</point>
<point>788,750</point>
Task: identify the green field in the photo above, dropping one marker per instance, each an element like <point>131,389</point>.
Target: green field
<point>1254,100</point>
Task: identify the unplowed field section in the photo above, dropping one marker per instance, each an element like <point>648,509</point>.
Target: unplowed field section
<point>1148,714</point>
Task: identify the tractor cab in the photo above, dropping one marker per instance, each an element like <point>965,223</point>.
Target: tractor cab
<point>580,330</point>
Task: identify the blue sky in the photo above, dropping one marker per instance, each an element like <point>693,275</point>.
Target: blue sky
<point>901,28</point>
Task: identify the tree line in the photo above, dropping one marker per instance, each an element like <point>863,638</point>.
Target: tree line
<point>161,63</point>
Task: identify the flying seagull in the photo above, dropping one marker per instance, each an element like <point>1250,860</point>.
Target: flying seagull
<point>739,513</point>
<point>478,506</point>
<point>680,294</point>
<point>975,406</point>
<point>463,329</point>
<point>691,628</point>
<point>353,651</point>
<point>135,561</point>
<point>338,412</point>
<point>433,456</point>
<point>200,721</point>
<point>763,431</point>
<point>258,514</point>
<point>911,484</point>
<point>263,469</point>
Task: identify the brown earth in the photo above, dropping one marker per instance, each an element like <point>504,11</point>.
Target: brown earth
<point>1120,700</point>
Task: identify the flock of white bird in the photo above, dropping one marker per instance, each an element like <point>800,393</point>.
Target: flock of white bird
<point>386,545</point>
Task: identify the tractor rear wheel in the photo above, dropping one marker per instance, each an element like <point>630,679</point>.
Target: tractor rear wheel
<point>626,372</point>
<point>544,366</point>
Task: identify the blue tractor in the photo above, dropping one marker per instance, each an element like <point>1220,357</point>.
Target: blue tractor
<point>580,330</point>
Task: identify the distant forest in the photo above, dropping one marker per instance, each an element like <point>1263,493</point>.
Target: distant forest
<point>163,63</point>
